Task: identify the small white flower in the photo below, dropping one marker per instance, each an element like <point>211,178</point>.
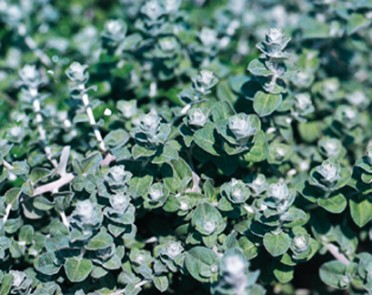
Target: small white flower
<point>275,36</point>
<point>150,123</point>
<point>152,9</point>
<point>208,37</point>
<point>279,190</point>
<point>119,202</point>
<point>174,249</point>
<point>128,108</point>
<point>301,243</point>
<point>168,44</point>
<point>114,29</point>
<point>303,101</point>
<point>332,147</point>
<point>184,206</point>
<point>118,173</point>
<point>156,192</point>
<point>234,265</point>
<point>241,126</point>
<point>206,77</point>
<point>331,86</point>
<point>329,171</point>
<point>357,98</point>
<point>197,117</point>
<point>209,226</point>
<point>85,210</point>
<point>77,73</point>
<point>171,5</point>
<point>350,113</point>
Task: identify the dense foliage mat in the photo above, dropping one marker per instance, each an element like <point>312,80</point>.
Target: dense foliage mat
<point>185,147</point>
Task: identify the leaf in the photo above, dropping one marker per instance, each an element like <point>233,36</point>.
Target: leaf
<point>139,186</point>
<point>265,104</point>
<point>77,269</point>
<point>222,111</point>
<point>161,283</point>
<point>20,167</point>
<point>276,243</point>
<point>88,165</point>
<point>258,68</point>
<point>332,273</point>
<point>360,209</point>
<point>260,149</point>
<point>205,139</point>
<point>168,153</point>
<point>356,22</point>
<point>201,263</point>
<point>333,204</point>
<point>310,131</point>
<point>139,151</point>
<point>38,173</point>
<point>46,264</point>
<point>6,284</point>
<point>100,241</point>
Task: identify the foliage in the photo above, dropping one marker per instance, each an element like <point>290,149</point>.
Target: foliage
<point>185,147</point>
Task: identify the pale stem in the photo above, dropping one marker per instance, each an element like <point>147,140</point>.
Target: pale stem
<point>7,165</point>
<point>7,212</point>
<point>334,250</point>
<point>40,128</point>
<point>64,219</point>
<point>65,179</point>
<point>92,120</point>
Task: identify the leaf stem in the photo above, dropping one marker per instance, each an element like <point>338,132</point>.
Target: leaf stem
<point>334,250</point>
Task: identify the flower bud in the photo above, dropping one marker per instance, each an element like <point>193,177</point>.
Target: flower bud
<point>127,108</point>
<point>30,76</point>
<point>275,36</point>
<point>119,202</point>
<point>171,6</point>
<point>197,117</point>
<point>149,123</point>
<point>300,243</point>
<point>174,249</point>
<point>241,126</point>
<point>331,147</point>
<point>329,171</point>
<point>258,184</point>
<point>205,81</point>
<point>156,192</point>
<point>208,37</point>
<point>152,10</point>
<point>209,227</point>
<point>77,73</point>
<point>85,211</point>
<point>235,191</point>
<point>114,31</point>
<point>279,190</point>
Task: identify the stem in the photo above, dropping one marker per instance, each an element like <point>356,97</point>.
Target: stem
<point>92,120</point>
<point>8,99</point>
<point>64,219</point>
<point>39,121</point>
<point>334,250</point>
<point>7,165</point>
<point>7,212</point>
<point>65,179</point>
<point>55,185</point>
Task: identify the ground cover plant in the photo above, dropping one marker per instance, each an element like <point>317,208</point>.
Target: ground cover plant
<point>185,147</point>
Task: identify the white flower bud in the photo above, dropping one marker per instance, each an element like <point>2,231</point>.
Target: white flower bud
<point>234,265</point>
<point>156,192</point>
<point>197,117</point>
<point>174,249</point>
<point>357,98</point>
<point>118,173</point>
<point>149,123</point>
<point>209,226</point>
<point>332,147</point>
<point>114,30</point>
<point>171,6</point>
<point>300,243</point>
<point>85,210</point>
<point>275,36</point>
<point>241,126</point>
<point>77,73</point>
<point>279,190</point>
<point>152,9</point>
<point>303,101</point>
<point>208,37</point>
<point>168,44</point>
<point>128,108</point>
<point>119,202</point>
<point>184,206</point>
<point>329,171</point>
